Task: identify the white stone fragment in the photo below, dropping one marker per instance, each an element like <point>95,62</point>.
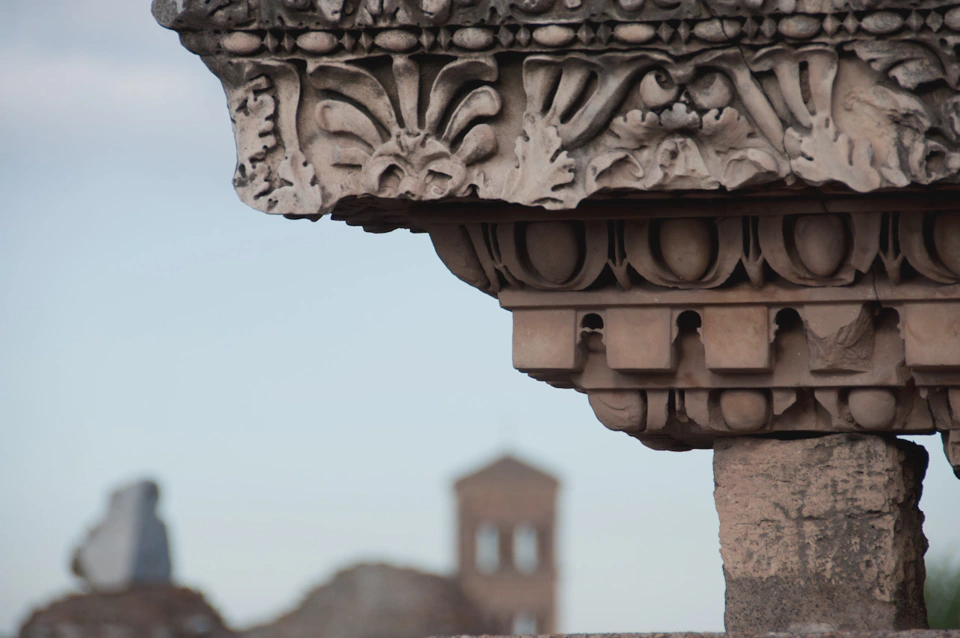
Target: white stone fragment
<point>129,547</point>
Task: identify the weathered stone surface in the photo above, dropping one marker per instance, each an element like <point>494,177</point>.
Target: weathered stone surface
<point>684,204</point>
<point>605,97</point>
<point>149,611</point>
<point>821,533</point>
<point>129,547</point>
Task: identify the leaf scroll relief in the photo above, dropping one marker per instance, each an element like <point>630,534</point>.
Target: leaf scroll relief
<point>412,151</point>
<point>648,121</point>
<point>696,124</point>
<point>425,128</point>
<point>272,174</point>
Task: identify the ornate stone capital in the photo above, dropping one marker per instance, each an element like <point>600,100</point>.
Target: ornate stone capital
<point>687,329</point>
<point>714,217</point>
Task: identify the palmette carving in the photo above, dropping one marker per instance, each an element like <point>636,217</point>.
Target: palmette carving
<point>409,161</point>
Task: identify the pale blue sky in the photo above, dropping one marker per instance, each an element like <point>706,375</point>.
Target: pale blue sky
<point>303,392</point>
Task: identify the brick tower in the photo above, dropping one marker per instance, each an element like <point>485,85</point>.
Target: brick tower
<point>506,529</point>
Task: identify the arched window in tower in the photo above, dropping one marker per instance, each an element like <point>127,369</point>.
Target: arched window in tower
<point>488,548</point>
<point>526,550</point>
<point>525,623</point>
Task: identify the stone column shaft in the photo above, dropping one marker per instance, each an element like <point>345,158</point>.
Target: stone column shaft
<point>821,533</point>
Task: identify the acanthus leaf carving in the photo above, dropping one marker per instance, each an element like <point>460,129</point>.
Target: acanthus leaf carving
<point>543,171</point>
<point>203,13</point>
<point>819,152</point>
<point>840,337</point>
<point>698,139</point>
<point>682,150</point>
<point>825,154</point>
<point>272,173</point>
<point>908,63</point>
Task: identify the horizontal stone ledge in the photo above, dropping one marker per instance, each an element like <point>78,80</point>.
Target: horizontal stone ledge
<point>318,135</point>
<point>797,20</point>
<point>745,294</point>
<point>383,214</point>
<point>765,201</point>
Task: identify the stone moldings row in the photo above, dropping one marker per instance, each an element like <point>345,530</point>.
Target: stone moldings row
<point>592,34</point>
<point>688,419</point>
<point>678,370</point>
<point>792,18</point>
<point>695,416</point>
<point>702,252</point>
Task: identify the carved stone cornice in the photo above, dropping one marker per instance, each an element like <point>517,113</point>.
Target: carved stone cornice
<point>870,15</point>
<point>713,217</point>
<point>685,329</point>
<point>548,104</point>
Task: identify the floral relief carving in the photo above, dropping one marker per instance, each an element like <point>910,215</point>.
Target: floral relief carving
<point>421,100</point>
<point>610,123</point>
<point>409,152</point>
<point>543,172</point>
<point>818,152</point>
<point>682,149</point>
<point>568,101</point>
<point>699,139</point>
<point>649,122</point>
<point>272,173</point>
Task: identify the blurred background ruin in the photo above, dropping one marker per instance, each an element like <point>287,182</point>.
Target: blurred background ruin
<point>505,581</point>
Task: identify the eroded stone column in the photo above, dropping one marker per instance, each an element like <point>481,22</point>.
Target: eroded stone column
<point>821,533</point>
